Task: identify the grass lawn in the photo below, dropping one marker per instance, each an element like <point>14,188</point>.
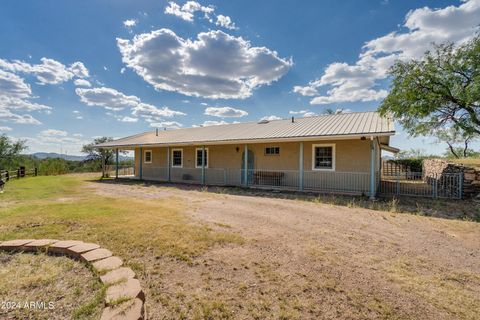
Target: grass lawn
<point>213,255</point>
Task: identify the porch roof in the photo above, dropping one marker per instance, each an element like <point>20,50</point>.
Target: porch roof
<point>325,126</point>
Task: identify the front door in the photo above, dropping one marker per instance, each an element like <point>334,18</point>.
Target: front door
<point>251,162</point>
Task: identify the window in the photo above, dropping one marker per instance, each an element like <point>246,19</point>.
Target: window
<point>323,157</point>
<point>148,156</point>
<point>272,151</point>
<point>198,163</point>
<point>177,158</point>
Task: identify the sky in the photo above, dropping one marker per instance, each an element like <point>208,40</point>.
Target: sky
<point>71,71</point>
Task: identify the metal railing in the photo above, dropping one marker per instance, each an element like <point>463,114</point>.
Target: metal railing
<point>417,184</point>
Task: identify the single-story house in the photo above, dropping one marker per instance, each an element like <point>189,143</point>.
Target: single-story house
<point>328,153</point>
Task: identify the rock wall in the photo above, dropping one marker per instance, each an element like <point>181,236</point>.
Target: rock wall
<point>471,176</point>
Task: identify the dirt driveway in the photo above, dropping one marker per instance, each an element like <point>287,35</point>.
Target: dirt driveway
<point>316,261</point>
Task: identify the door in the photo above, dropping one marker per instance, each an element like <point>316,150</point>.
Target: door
<point>251,162</point>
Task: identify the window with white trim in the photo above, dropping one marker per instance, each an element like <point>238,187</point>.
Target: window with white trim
<point>177,158</point>
<point>148,156</point>
<point>198,162</point>
<point>323,157</point>
<point>272,151</point>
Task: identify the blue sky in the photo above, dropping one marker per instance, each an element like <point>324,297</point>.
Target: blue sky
<point>71,71</point>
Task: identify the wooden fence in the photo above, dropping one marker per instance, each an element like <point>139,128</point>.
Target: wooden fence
<point>21,172</point>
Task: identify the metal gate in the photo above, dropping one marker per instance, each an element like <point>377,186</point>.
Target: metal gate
<point>416,184</point>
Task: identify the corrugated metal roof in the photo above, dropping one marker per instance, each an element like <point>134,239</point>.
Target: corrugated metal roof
<point>346,124</point>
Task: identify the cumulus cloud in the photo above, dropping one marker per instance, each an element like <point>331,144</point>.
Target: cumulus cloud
<point>303,113</point>
<point>225,22</point>
<point>108,98</point>
<point>215,65</point>
<point>52,139</point>
<point>114,100</point>
<point>53,133</point>
<point>5,129</point>
<point>422,27</point>
<point>130,23</point>
<point>82,83</point>
<point>49,71</point>
<point>187,11</point>
<point>225,112</point>
<point>166,124</point>
<point>15,95</point>
<point>270,118</point>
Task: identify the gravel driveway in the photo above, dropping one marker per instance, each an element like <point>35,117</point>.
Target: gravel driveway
<point>310,260</point>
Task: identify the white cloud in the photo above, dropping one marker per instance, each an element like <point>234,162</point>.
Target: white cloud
<point>127,119</point>
<point>15,96</point>
<point>108,98</point>
<point>305,91</point>
<point>54,133</point>
<point>225,112</point>
<point>303,113</point>
<point>79,70</point>
<point>82,83</point>
<point>49,71</point>
<point>114,100</point>
<point>215,65</point>
<point>187,11</point>
<point>130,23</point>
<point>422,27</point>
<point>5,129</point>
<point>270,118</point>
<point>166,124</point>
<point>225,22</point>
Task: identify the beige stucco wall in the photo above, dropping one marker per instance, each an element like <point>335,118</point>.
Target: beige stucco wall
<point>350,156</point>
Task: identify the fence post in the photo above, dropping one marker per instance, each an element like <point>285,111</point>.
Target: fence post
<point>397,184</point>
<point>460,186</point>
<point>8,175</point>
<point>435,186</point>
<point>18,173</point>
<point>36,171</point>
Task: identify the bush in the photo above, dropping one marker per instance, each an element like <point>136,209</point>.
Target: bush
<point>415,164</point>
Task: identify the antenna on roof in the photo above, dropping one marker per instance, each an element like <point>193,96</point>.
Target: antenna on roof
<point>156,132</point>
<point>293,119</point>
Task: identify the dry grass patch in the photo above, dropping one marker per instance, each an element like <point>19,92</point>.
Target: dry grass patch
<point>60,283</point>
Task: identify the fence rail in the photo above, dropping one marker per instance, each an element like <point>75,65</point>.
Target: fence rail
<point>417,184</point>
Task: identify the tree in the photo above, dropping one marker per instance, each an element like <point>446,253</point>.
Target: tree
<point>441,90</point>
<point>452,137</point>
<point>95,153</point>
<point>9,149</point>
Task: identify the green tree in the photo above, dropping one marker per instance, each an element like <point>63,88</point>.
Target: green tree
<point>441,90</point>
<point>454,136</point>
<point>9,150</point>
<point>96,154</point>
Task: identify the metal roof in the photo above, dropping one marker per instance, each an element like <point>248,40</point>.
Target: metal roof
<point>337,125</point>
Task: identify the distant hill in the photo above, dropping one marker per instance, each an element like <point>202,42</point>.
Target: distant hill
<point>45,155</point>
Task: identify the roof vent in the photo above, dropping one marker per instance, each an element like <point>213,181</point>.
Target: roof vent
<point>264,121</point>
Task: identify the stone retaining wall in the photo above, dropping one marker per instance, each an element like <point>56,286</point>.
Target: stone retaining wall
<point>122,286</point>
<point>471,176</point>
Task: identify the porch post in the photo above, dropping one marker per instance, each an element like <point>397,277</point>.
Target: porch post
<point>203,164</point>
<point>116,163</point>
<point>168,163</point>
<point>372,170</point>
<point>140,164</point>
<point>245,166</point>
<point>300,168</point>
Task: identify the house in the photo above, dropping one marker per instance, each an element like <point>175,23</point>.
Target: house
<point>328,153</point>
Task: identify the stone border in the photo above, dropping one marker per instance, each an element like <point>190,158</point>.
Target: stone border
<point>120,281</point>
